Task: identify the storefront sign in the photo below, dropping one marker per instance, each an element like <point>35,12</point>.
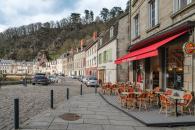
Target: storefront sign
<point>189,48</point>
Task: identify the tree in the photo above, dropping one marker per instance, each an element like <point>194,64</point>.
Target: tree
<point>91,16</point>
<point>115,11</point>
<point>104,14</point>
<point>75,20</point>
<point>87,16</point>
<point>127,6</point>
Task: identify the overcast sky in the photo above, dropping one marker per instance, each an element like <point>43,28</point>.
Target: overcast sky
<point>15,13</point>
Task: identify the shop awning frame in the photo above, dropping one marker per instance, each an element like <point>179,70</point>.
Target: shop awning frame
<point>149,51</point>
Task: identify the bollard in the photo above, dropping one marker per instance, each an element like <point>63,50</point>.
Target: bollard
<point>81,91</point>
<point>67,94</point>
<point>95,88</point>
<point>51,99</point>
<point>16,113</point>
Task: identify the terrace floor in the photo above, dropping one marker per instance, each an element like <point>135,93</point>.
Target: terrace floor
<point>152,117</point>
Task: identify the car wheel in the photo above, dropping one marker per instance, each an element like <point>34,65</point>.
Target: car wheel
<point>33,83</point>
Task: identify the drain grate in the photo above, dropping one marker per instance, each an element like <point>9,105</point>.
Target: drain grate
<point>70,116</point>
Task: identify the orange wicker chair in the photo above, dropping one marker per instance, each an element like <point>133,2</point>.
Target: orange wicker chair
<point>120,96</point>
<point>143,100</point>
<point>166,104</point>
<point>130,101</point>
<point>186,103</point>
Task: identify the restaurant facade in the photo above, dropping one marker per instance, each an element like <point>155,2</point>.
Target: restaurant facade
<point>161,51</point>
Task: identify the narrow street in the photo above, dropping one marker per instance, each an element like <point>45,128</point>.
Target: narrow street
<point>34,99</point>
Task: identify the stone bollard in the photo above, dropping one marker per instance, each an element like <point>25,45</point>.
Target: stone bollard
<point>16,113</point>
<point>81,91</point>
<point>51,98</point>
<point>67,93</point>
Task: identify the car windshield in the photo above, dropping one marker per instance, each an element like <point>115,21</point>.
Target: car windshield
<point>40,77</point>
<point>92,78</point>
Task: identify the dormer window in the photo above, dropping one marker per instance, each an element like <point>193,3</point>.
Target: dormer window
<point>100,41</point>
<point>111,32</point>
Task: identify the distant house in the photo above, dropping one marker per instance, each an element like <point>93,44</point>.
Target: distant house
<point>91,56</point>
<point>112,44</point>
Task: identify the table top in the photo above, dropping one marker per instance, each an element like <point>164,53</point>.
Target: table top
<point>159,92</point>
<point>176,97</point>
<point>125,93</point>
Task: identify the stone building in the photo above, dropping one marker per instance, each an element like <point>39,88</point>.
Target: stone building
<point>161,51</point>
<point>79,62</point>
<point>70,64</point>
<point>112,44</point>
<point>91,56</point>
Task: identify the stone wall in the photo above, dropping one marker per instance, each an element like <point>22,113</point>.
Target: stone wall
<point>123,42</point>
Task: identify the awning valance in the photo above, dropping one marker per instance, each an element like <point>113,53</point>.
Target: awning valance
<point>148,51</point>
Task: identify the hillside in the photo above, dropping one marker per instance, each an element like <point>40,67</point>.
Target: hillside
<point>54,40</point>
<point>24,42</point>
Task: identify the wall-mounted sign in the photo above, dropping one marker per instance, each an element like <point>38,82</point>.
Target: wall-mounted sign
<point>189,48</point>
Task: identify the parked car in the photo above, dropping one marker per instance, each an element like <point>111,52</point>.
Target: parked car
<point>53,79</point>
<point>92,81</point>
<point>40,79</point>
<point>73,76</point>
<point>80,78</point>
<point>84,80</point>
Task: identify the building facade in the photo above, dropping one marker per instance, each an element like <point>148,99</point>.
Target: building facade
<point>70,64</point>
<point>160,33</point>
<point>91,58</point>
<point>79,62</point>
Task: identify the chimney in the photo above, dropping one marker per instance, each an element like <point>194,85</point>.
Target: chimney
<point>94,36</point>
<point>82,43</point>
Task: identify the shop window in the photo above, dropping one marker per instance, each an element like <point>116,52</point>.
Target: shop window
<point>175,66</point>
<point>153,13</point>
<point>180,4</point>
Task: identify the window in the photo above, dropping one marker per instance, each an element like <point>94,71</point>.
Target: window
<point>111,32</point>
<point>179,4</point>
<point>110,55</point>
<point>136,26</point>
<point>105,57</point>
<point>100,58</point>
<point>153,13</point>
<point>100,41</point>
<point>175,66</point>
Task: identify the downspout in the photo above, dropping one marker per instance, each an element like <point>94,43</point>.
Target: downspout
<point>129,36</point>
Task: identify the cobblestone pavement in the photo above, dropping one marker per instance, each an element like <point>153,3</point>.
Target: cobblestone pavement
<point>95,114</point>
<point>34,99</point>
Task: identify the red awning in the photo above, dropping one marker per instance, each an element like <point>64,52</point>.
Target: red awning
<point>146,52</point>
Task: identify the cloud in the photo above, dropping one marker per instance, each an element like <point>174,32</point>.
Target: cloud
<point>23,12</point>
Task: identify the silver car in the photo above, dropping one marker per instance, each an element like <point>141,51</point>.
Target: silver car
<point>92,81</point>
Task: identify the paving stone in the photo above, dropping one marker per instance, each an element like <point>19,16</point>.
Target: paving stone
<point>37,125</point>
<point>94,117</point>
<point>84,127</point>
<point>96,121</point>
<point>115,127</point>
<point>125,123</point>
<point>58,126</point>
